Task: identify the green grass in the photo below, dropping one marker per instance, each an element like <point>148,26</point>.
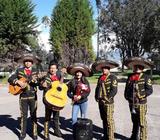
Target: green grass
<point>125,73</point>
<point>93,79</point>
<point>4,80</point>
<point>156,79</point>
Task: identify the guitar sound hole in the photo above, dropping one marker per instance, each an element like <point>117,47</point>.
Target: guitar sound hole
<point>59,88</point>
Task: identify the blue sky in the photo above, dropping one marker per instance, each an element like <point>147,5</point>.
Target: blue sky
<point>45,7</point>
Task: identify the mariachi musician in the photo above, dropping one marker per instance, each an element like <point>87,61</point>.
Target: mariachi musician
<point>78,89</point>
<point>52,75</point>
<point>104,94</point>
<point>28,98</point>
<point>138,88</point>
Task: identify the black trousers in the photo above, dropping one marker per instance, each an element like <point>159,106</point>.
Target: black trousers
<point>106,113</point>
<point>139,121</point>
<point>26,104</point>
<point>48,113</point>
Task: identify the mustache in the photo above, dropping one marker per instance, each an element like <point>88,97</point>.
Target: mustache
<point>52,71</point>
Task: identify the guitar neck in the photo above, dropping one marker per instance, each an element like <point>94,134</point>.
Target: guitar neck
<point>39,75</point>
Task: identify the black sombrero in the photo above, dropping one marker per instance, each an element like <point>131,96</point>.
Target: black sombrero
<point>131,62</point>
<point>98,65</point>
<point>25,57</point>
<point>72,69</point>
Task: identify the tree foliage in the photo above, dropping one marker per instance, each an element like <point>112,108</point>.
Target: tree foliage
<point>135,23</point>
<point>17,25</point>
<point>71,30</point>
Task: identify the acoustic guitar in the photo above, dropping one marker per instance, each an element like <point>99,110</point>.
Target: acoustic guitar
<point>56,97</point>
<point>17,89</point>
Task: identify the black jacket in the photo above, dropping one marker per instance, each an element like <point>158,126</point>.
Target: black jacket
<point>72,90</point>
<point>143,88</point>
<point>31,89</point>
<point>110,89</point>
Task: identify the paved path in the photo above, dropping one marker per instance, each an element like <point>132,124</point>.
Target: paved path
<point>9,116</point>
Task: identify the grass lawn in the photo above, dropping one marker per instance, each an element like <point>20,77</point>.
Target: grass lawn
<point>122,76</point>
<point>4,80</point>
<point>156,79</point>
<point>94,78</point>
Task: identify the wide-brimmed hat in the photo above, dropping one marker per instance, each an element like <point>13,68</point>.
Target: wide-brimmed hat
<point>72,69</point>
<point>25,57</point>
<point>98,65</point>
<point>131,62</point>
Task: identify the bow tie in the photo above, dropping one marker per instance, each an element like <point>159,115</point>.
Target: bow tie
<point>28,71</point>
<point>103,77</point>
<point>134,77</point>
<point>54,78</point>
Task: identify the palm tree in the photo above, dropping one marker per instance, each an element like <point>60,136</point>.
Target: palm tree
<point>46,21</point>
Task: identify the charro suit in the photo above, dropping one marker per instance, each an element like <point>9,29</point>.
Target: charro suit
<point>136,92</point>
<point>28,99</point>
<point>105,91</point>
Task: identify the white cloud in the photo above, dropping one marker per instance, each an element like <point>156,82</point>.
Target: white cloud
<point>44,37</point>
<point>94,42</point>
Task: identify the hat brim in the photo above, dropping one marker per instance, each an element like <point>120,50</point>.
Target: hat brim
<point>74,68</point>
<point>98,65</point>
<point>31,58</point>
<point>131,62</point>
<point>22,60</point>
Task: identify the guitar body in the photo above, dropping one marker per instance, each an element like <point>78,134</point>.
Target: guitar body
<point>16,89</point>
<point>56,97</point>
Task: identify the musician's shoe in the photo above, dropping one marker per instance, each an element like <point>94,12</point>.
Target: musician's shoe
<point>58,133</point>
<point>47,138</point>
<point>35,138</point>
<point>21,137</point>
<point>104,138</point>
<point>133,137</point>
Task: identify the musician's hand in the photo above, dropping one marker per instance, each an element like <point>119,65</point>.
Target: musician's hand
<point>22,84</point>
<point>136,100</point>
<point>34,78</point>
<point>84,87</point>
<point>97,100</point>
<point>44,84</point>
<point>79,97</point>
<point>75,98</point>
